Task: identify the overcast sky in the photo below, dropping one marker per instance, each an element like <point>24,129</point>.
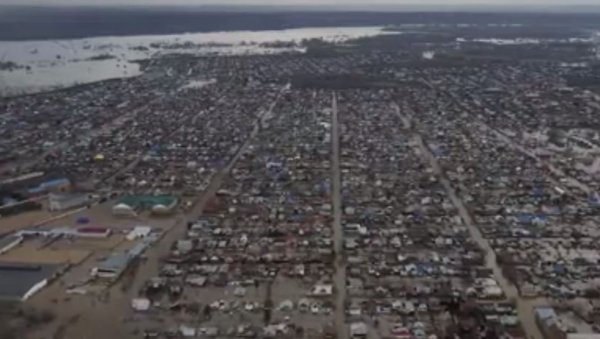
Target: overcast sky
<point>361,3</point>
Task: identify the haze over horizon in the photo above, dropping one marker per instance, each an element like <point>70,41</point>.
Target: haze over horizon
<point>311,3</point>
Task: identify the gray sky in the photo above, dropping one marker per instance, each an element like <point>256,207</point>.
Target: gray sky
<point>365,3</point>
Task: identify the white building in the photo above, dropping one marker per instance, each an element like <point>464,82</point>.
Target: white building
<point>140,304</point>
<point>65,201</point>
<point>322,290</point>
<point>123,210</point>
<point>138,232</point>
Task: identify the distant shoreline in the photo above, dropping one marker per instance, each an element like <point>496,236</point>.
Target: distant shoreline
<point>18,23</point>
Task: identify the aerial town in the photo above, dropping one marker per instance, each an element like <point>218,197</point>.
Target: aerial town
<point>441,183</point>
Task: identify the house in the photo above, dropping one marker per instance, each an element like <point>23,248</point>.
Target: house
<point>65,201</point>
<point>187,331</point>
<point>275,330</point>
<point>548,322</point>
<point>490,288</point>
<point>286,305</point>
<point>322,290</point>
<point>140,304</point>
<point>403,306</point>
<point>184,246</point>
<point>350,244</point>
<point>358,330</point>
<point>196,280</point>
<point>400,331</point>
<point>354,310</point>
<point>208,331</point>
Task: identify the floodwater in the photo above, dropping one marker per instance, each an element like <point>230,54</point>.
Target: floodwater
<point>56,75</point>
<point>524,41</point>
<point>47,64</point>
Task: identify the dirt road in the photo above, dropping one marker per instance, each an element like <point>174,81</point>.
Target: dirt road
<point>525,307</point>
<point>102,317</point>
<point>339,278</point>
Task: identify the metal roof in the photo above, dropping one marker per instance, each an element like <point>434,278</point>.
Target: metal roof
<point>115,263</point>
<point>17,280</point>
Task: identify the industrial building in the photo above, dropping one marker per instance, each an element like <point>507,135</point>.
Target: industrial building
<point>21,281</point>
<point>63,201</point>
<point>157,204</point>
<point>113,266</point>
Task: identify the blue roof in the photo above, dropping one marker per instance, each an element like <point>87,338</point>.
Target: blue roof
<point>438,151</point>
<point>137,250</point>
<point>55,182</point>
<point>560,269</point>
<point>49,184</point>
<point>538,192</point>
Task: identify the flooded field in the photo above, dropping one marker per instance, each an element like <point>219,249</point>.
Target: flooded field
<point>33,66</point>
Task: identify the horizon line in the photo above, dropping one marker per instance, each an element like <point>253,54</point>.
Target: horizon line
<point>443,7</point>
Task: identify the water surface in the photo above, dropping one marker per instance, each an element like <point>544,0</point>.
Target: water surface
<point>47,64</point>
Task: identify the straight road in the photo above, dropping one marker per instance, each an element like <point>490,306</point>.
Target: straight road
<point>25,165</point>
<point>557,172</point>
<point>525,308</point>
<point>339,278</point>
<point>138,158</point>
<point>102,319</point>
<point>554,170</point>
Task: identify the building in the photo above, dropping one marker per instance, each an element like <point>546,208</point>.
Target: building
<point>358,330</point>
<point>123,210</point>
<point>196,280</point>
<point>322,290</point>
<point>140,304</point>
<point>15,203</point>
<point>184,246</point>
<point>138,232</point>
<point>157,204</point>
<point>93,232</point>
<point>112,267</point>
<point>65,201</point>
<point>54,185</point>
<point>21,281</point>
<point>9,242</point>
<point>548,322</point>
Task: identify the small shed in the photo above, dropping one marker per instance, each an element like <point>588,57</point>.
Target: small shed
<point>140,304</point>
